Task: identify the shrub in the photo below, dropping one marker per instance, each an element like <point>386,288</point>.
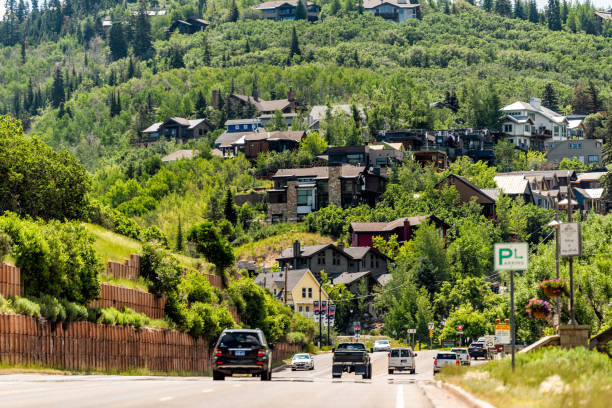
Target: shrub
<point>5,245</point>
<point>209,319</point>
<point>108,316</point>
<point>195,287</point>
<point>26,307</point>
<point>161,268</point>
<point>74,311</point>
<point>5,305</point>
<point>52,309</point>
<point>296,338</point>
<point>94,314</point>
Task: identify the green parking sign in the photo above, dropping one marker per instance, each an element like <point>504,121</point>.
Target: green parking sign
<point>512,256</point>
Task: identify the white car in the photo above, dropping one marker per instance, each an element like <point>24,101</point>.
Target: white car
<point>381,345</point>
<point>302,361</point>
<point>401,359</point>
<point>464,355</point>
<point>443,359</point>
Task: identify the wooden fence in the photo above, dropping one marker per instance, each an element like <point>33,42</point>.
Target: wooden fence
<point>128,270</point>
<point>138,301</point>
<point>10,280</point>
<point>88,346</point>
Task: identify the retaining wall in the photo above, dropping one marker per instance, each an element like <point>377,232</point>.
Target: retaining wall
<point>139,301</point>
<point>128,270</point>
<point>10,280</point>
<point>88,346</point>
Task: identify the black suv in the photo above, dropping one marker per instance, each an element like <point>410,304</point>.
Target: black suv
<point>478,349</point>
<point>242,351</point>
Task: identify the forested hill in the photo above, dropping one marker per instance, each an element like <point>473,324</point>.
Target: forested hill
<point>91,90</point>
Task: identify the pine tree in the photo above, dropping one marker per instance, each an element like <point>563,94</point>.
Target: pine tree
<point>142,33</point>
<point>179,236</point>
<point>116,42</point>
<point>564,11</point>
<point>176,58</point>
<point>487,5</point>
<point>554,15</point>
<point>595,102</point>
<point>200,105</point>
<point>230,210</point>
<point>301,13</point>
<point>234,14</point>
<point>335,7</point>
<point>519,11</point>
<point>349,6</point>
<point>23,52</point>
<point>533,14</point>
<point>549,98</point>
<point>503,8</point>
<point>295,46</point>
<point>58,95</point>
<point>131,71</point>
<point>206,53</point>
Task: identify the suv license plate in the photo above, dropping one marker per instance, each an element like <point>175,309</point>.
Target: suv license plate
<point>239,353</point>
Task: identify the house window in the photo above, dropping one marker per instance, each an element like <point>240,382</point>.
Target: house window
<point>508,128</point>
<point>377,264</point>
<point>532,116</point>
<point>371,261</point>
<point>527,128</point>
<point>307,309</point>
<point>300,309</point>
<point>274,291</point>
<point>321,258</point>
<point>304,197</point>
<point>310,293</point>
<point>363,263</point>
<point>303,292</point>
<point>593,158</point>
<point>336,259</point>
<point>511,140</point>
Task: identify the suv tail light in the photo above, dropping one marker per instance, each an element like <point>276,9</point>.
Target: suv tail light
<point>218,352</point>
<point>388,354</point>
<point>261,352</point>
<point>457,361</point>
<point>435,361</point>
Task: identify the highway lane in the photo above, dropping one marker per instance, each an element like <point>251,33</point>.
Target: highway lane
<point>287,389</point>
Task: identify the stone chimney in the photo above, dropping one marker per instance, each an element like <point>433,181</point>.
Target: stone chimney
<point>334,185</point>
<point>291,94</point>
<point>296,253</point>
<point>216,93</point>
<point>341,245</point>
<point>255,93</point>
<point>272,95</point>
<point>535,102</point>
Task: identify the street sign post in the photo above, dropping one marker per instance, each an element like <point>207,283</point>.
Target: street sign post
<point>431,326</point>
<point>570,239</point>
<point>511,256</point>
<point>502,333</point>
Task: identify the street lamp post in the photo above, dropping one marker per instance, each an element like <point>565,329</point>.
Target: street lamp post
<point>571,259</point>
<point>556,223</point>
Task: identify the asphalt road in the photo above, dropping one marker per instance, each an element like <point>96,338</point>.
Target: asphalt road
<point>310,389</point>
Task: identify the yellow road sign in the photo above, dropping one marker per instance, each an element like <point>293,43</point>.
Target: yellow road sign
<point>431,334</point>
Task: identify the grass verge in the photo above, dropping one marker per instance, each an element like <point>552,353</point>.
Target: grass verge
<point>546,378</point>
<point>140,283</point>
<point>6,368</point>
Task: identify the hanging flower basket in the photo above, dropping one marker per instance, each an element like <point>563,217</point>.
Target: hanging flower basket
<point>554,287</point>
<point>538,309</point>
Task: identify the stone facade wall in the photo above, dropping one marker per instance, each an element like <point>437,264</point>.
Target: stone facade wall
<point>277,209</point>
<point>335,186</point>
<point>292,201</point>
<point>572,336</point>
<point>10,280</point>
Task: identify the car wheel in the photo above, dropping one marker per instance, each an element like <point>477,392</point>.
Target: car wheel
<point>217,376</point>
<point>266,376</point>
<point>293,369</point>
<point>413,371</point>
<point>336,375</point>
<point>390,372</point>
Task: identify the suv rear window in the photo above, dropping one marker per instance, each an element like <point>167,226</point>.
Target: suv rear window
<point>447,356</point>
<point>406,353</point>
<point>351,346</point>
<point>459,351</point>
<point>239,339</point>
<point>395,353</point>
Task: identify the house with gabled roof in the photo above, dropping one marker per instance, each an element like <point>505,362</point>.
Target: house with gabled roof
<point>530,125</point>
<point>252,144</point>
<point>393,10</point>
<point>264,107</point>
<point>188,26</point>
<point>179,129</point>
<point>302,289</point>
<point>363,233</point>
<point>469,191</point>
<point>286,9</point>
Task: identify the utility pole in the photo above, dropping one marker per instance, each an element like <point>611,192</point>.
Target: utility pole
<point>571,258</point>
<point>320,318</point>
<point>558,306</point>
<point>327,310</point>
<point>286,273</point>
<point>512,328</point>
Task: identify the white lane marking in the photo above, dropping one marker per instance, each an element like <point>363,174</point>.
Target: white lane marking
<point>237,385</point>
<point>399,400</point>
<point>207,390</point>
<point>166,399</point>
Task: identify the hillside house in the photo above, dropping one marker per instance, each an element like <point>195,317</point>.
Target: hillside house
<point>318,112</point>
<point>285,10</point>
<point>263,107</point>
<point>575,126</point>
<point>179,129</point>
<point>468,192</point>
<point>377,155</point>
<point>601,16</point>
<point>363,233</point>
<point>392,10</point>
<point>188,26</point>
<point>267,118</point>
<point>530,125</point>
<point>242,125</point>
<point>542,187</point>
<point>588,192</point>
<point>302,289</point>
<point>297,192</point>
<point>334,260</point>
<point>252,144</point>
<point>588,151</point>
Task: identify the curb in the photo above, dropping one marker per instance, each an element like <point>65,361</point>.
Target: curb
<point>465,396</point>
<point>280,368</point>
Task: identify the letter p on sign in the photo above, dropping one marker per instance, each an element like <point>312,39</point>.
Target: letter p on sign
<point>512,256</point>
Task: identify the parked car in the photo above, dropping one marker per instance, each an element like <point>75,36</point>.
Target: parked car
<point>479,349</point>
<point>302,361</point>
<point>381,345</point>
<point>351,358</point>
<point>242,351</point>
<point>464,355</point>
<point>401,359</point>
<point>443,359</point>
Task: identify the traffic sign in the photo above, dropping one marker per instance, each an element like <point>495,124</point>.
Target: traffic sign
<point>460,327</point>
<point>430,333</point>
<point>431,325</point>
<point>502,333</point>
<point>511,256</point>
<point>411,331</point>
<point>570,239</point>
<point>459,332</point>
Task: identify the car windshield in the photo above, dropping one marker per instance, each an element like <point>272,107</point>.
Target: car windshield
<point>447,356</point>
<point>301,357</point>
<point>477,345</point>
<point>381,342</point>
<point>460,351</point>
<point>351,346</point>
<point>239,340</point>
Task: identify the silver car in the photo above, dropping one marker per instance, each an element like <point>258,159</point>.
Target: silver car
<point>464,355</point>
<point>443,359</point>
<point>302,361</point>
<point>381,345</point>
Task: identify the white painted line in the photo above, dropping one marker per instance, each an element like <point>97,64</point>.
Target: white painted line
<point>207,390</point>
<point>399,400</point>
<point>166,399</point>
<point>237,385</point>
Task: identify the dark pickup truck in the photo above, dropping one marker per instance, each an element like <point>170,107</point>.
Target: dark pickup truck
<point>351,357</point>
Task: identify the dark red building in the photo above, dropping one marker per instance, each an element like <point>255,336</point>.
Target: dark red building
<point>362,233</point>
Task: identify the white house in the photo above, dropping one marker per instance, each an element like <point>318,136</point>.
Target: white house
<point>529,125</point>
<point>318,112</point>
<point>392,10</point>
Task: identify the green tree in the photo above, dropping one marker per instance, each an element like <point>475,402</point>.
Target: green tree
<point>549,98</point>
<point>474,324</point>
<point>179,236</point>
<point>471,252</point>
<point>505,155</point>
<point>533,14</point>
<point>234,14</point>
<point>301,13</point>
<point>478,173</point>
<point>554,15</point>
<point>519,11</point>
<point>294,48</point>
<point>335,7</point>
<point>572,164</point>
<point>58,94</point>
<point>116,41</point>
<point>229,208</point>
<point>210,242</point>
<point>142,33</point>
<point>503,8</point>
<point>487,5</point>
<point>314,144</point>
